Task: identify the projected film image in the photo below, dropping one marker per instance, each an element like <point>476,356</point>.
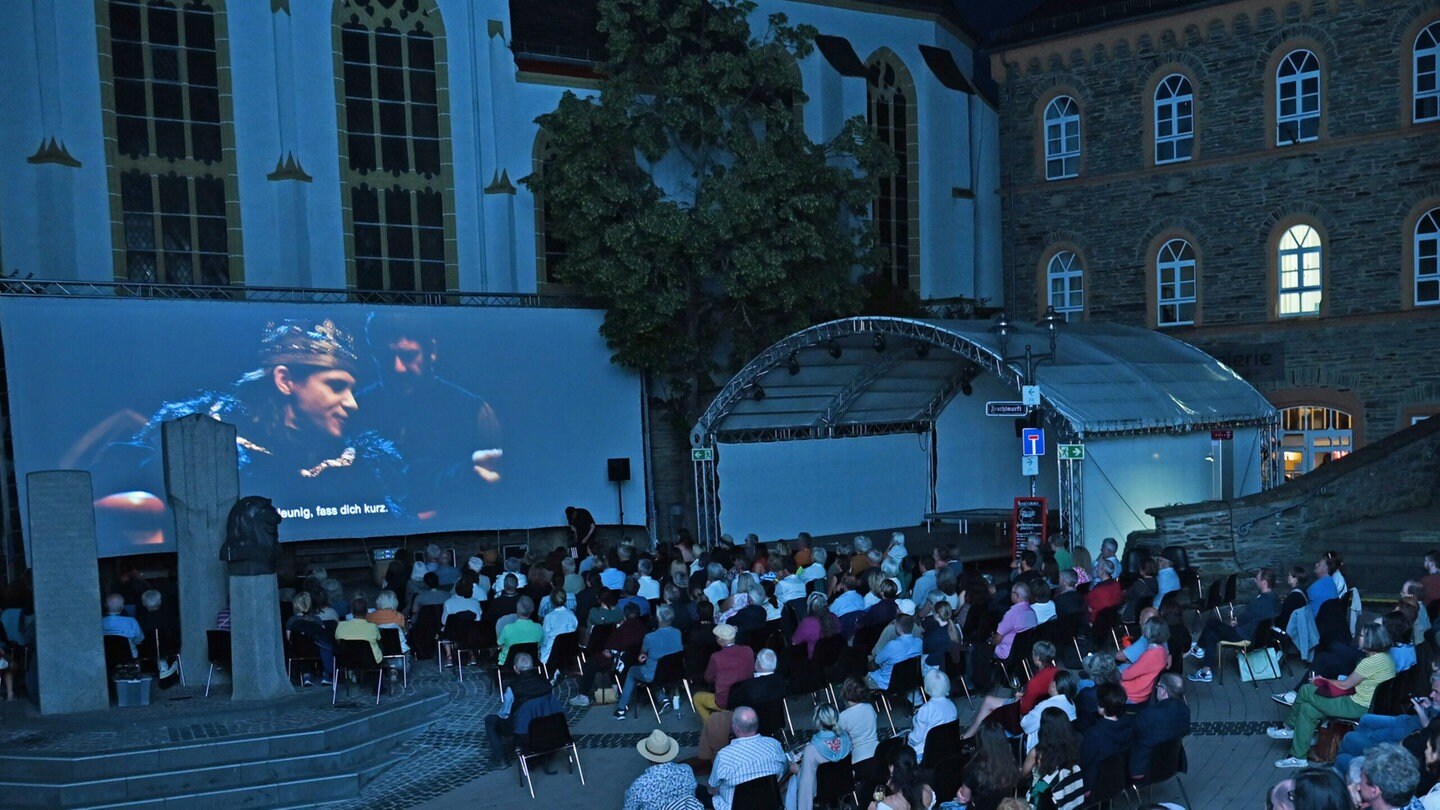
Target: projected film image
<point>353,421</point>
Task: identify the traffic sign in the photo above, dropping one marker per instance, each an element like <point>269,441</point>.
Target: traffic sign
<point>1029,465</point>
<point>1221,435</point>
<point>1032,442</point>
<point>1071,452</point>
<point>1030,395</point>
<point>1006,408</point>
<point>702,454</point>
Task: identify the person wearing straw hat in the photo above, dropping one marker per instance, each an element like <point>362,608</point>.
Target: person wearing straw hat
<point>666,784</point>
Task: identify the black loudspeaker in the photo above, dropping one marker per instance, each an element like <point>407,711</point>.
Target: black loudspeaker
<point>619,469</point>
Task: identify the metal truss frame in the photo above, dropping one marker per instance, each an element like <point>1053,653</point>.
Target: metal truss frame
<point>245,292</point>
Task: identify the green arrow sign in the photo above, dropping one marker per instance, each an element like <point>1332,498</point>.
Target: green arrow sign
<point>702,454</point>
<point>1072,452</point>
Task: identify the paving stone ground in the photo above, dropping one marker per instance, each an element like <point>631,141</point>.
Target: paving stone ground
<point>450,766</point>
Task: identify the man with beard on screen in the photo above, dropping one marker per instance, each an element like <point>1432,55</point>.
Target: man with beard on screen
<point>294,435</point>
<point>448,436</point>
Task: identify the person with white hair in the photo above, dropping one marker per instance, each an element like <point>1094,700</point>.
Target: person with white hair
<point>649,586</point>
<point>512,568</point>
<point>938,710</point>
<point>717,590</point>
<point>116,623</point>
<point>816,569</point>
<point>860,560</point>
<point>897,550</point>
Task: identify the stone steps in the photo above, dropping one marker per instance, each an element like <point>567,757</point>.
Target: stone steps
<point>325,763</point>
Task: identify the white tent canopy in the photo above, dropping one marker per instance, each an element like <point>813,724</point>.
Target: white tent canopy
<point>869,376</point>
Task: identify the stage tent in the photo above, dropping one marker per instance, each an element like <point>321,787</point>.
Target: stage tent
<point>880,421</point>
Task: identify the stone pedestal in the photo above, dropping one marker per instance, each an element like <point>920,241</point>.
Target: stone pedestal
<point>202,478</point>
<point>69,654</point>
<point>258,671</point>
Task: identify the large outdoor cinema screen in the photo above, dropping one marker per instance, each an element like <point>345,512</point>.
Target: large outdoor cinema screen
<point>356,421</point>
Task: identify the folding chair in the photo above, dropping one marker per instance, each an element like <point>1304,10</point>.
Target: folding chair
<point>1020,651</point>
<point>669,671</point>
<point>834,781</point>
<point>758,794</point>
<point>941,743</point>
<point>774,716</point>
<point>1166,762</point>
<point>1112,780</point>
<point>564,649</point>
<point>357,658</point>
<point>117,653</point>
<point>217,647</point>
<point>547,735</point>
<point>905,678</point>
<point>300,647</point>
<point>392,650</point>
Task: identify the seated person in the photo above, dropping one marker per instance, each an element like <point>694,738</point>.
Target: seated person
<point>1373,729</point>
<point>523,630</point>
<point>622,645</point>
<point>527,685</point>
<point>1062,697</point>
<point>665,640</point>
<point>937,710</point>
<point>1018,618</point>
<point>1165,718</point>
<point>432,594</point>
<point>1006,712</point>
<point>305,621</point>
<point>830,743</point>
<point>386,614</point>
<point>729,665</point>
<point>1128,655</point>
<point>462,601</point>
<point>905,646</point>
<point>763,688</point>
<point>1104,593</point>
<point>359,628</point>
<point>1311,708</point>
<point>632,596</point>
<point>649,586</point>
<point>749,756</point>
<point>1139,679</point>
<point>1230,627</point>
<point>1069,601</point>
<point>1111,734</point>
<point>559,621</point>
<point>116,623</point>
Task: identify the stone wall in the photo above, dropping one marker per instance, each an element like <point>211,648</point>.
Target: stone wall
<point>1280,527</point>
<point>1361,185</point>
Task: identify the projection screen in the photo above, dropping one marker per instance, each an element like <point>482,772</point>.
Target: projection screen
<point>356,421</point>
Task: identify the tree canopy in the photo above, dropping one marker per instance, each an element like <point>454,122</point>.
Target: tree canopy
<point>689,199</point>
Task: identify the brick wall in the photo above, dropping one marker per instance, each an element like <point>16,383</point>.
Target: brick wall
<point>1281,527</point>
<point>1361,185</point>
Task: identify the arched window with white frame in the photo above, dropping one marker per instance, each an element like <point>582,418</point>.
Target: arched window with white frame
<point>1297,98</point>
<point>1427,74</point>
<point>1062,138</point>
<point>1312,436</point>
<point>1427,259</point>
<point>1065,284</point>
<point>1176,284</point>
<point>1174,119</point>
<point>1300,272</point>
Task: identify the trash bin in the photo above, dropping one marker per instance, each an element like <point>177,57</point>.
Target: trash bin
<point>133,692</point>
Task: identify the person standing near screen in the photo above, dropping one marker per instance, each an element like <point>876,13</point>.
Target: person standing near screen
<point>582,530</point>
<point>449,437</point>
<point>294,433</point>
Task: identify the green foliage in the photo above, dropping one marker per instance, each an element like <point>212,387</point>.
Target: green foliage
<point>691,202</point>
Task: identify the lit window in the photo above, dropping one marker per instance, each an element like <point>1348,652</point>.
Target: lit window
<point>393,168</point>
<point>1062,139</point>
<point>1312,436</point>
<point>1175,274</point>
<point>1427,74</point>
<point>170,172</point>
<point>1174,120</point>
<point>1299,271</point>
<point>1065,280</point>
<point>890,100</point>
<point>1297,98</point>
<point>1427,259</point>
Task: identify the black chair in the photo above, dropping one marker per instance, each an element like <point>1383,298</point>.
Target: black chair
<point>774,716</point>
<point>758,794</point>
<point>905,677</point>
<point>1065,634</point>
<point>1102,630</point>
<point>1018,664</point>
<point>548,735</point>
<point>425,630</point>
<point>356,658</point>
<point>391,649</point>
<point>1167,762</point>
<point>669,671</point>
<point>941,743</point>
<point>803,675</point>
<point>1214,596</point>
<point>1111,780</point>
<point>458,632</point>
<point>879,765</point>
<point>301,647</point>
<point>217,648</point>
<point>117,653</point>
<point>947,775</point>
<point>834,781</point>
<point>861,643</point>
<point>1332,622</point>
<point>565,650</point>
<point>161,646</point>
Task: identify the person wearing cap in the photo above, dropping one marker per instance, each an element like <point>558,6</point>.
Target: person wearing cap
<point>729,665</point>
<point>666,785</point>
<point>903,647</point>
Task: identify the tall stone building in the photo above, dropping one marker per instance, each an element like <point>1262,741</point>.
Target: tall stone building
<point>1260,178</point>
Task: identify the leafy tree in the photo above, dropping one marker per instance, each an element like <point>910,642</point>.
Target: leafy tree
<point>690,200</point>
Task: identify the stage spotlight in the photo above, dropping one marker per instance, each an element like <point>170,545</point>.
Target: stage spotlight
<point>879,343</point>
<point>966,388</point>
<point>833,347</point>
<point>792,365</point>
<point>922,350</point>
<point>759,394</point>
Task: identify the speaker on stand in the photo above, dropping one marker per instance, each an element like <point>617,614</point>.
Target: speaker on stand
<point>619,472</point>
